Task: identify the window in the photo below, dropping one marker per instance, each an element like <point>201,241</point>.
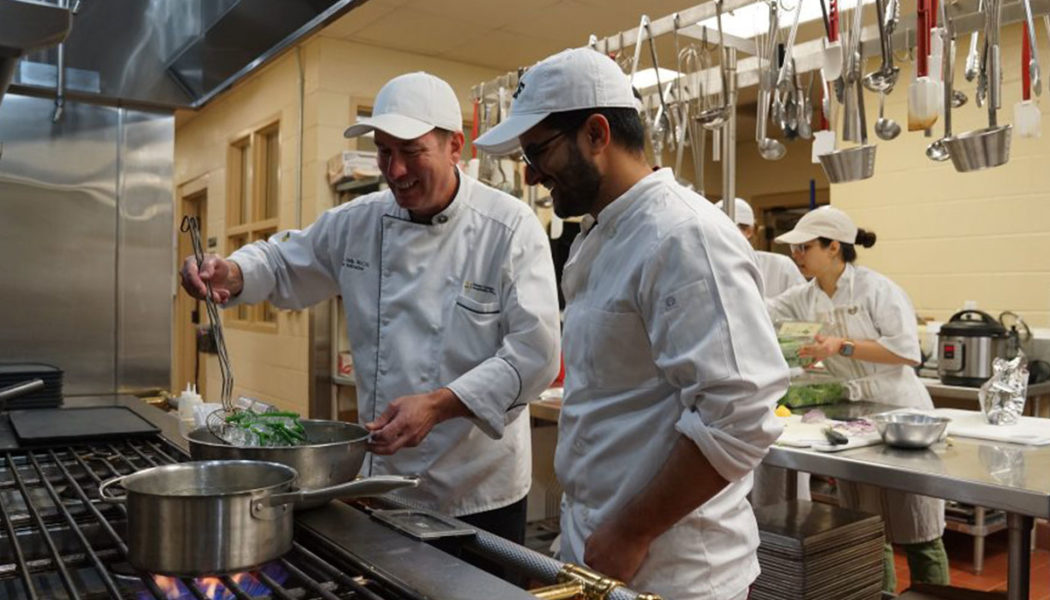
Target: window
<point>366,142</point>
<point>253,203</point>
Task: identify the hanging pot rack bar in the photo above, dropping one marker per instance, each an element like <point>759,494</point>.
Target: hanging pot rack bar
<point>808,55</point>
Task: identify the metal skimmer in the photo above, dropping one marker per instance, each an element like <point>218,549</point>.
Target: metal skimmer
<point>217,419</point>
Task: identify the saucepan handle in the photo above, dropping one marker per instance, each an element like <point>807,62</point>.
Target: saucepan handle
<point>369,486</point>
<point>104,493</point>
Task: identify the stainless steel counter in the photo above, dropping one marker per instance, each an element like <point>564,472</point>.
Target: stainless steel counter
<point>958,392</point>
<point>1011,477</point>
<point>416,564</point>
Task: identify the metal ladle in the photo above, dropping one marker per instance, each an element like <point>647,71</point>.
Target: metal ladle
<point>885,78</point>
<point>886,129</point>
<point>938,150</point>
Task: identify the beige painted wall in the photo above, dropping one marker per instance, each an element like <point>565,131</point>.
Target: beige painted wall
<point>337,76</point>
<point>947,237</point>
<point>269,366</point>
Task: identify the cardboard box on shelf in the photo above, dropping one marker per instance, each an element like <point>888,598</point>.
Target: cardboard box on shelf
<point>352,164</point>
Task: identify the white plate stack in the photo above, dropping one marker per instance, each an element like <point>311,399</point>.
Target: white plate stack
<point>810,550</point>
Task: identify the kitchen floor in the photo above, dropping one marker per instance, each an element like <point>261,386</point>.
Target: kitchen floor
<point>993,576</point>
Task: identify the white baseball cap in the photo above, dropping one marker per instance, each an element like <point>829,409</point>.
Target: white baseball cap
<point>411,105</point>
<point>824,222</point>
<point>569,80</point>
<point>744,214</point>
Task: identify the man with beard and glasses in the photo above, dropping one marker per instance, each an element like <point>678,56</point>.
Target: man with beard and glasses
<point>451,308</point>
<point>672,367</point>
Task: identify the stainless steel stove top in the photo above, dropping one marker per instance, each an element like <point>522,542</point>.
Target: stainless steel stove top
<point>60,541</point>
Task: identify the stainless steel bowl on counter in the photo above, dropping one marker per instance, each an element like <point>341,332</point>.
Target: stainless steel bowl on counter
<point>910,430</point>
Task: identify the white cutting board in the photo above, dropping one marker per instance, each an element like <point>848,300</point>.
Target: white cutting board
<point>971,423</point>
<point>811,435</point>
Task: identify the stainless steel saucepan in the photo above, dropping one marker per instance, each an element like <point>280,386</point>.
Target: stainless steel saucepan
<point>332,455</point>
<point>218,517</point>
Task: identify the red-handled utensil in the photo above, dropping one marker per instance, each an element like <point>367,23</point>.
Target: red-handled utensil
<point>1027,116</point>
<point>831,65</point>
<point>924,91</point>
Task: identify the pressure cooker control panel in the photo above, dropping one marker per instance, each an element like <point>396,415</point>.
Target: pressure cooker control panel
<point>952,354</point>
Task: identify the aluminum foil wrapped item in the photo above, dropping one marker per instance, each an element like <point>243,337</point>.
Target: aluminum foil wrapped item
<point>1002,396</point>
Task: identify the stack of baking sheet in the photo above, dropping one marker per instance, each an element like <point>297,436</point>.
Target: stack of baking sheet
<point>810,550</point>
<point>49,396</point>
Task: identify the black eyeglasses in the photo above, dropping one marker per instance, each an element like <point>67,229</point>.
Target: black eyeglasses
<point>531,154</point>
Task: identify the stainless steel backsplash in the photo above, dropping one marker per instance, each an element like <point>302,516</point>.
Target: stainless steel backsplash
<point>86,243</point>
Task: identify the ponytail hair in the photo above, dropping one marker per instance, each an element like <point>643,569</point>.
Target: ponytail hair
<point>865,239</point>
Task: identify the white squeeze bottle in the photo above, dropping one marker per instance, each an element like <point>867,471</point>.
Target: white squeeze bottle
<point>187,401</point>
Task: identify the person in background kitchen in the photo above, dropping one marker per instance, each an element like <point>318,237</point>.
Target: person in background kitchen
<point>451,306</point>
<point>672,366</point>
<point>778,274</point>
<point>870,338</point>
<point>778,271</point>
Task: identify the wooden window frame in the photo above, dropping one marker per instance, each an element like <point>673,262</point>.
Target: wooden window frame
<point>245,229</point>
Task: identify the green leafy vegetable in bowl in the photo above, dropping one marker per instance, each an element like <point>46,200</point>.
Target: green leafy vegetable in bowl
<point>813,394</point>
<point>274,428</point>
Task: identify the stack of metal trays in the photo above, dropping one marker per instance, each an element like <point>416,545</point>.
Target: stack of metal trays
<point>810,550</point>
<point>48,397</point>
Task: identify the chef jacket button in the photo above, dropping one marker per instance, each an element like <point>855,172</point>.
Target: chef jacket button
<point>441,219</point>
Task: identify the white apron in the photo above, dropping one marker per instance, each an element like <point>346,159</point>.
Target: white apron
<point>909,518</point>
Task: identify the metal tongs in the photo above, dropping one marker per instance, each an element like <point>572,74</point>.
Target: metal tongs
<point>714,118</point>
<point>768,148</point>
<point>217,419</point>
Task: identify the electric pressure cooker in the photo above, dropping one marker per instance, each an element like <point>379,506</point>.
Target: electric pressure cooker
<point>967,345</point>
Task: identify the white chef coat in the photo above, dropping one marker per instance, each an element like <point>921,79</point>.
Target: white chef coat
<point>868,306</point>
<point>778,272</point>
<point>468,301</point>
<point>666,334</point>
<point>770,486</point>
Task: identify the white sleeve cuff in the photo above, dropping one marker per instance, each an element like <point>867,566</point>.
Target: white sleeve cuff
<point>484,389</point>
<point>258,279</point>
<point>733,458</point>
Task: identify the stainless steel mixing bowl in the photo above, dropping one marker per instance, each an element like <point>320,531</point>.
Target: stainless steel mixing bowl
<point>910,430</point>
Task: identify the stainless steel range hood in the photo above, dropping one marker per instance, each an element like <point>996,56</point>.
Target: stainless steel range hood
<point>25,26</point>
<point>165,54</point>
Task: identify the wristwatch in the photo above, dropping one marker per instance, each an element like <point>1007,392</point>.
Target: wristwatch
<point>847,348</point>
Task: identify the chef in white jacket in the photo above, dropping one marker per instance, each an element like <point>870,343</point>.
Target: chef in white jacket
<point>778,271</point>
<point>671,363</point>
<point>778,274</point>
<point>870,338</point>
<point>451,307</point>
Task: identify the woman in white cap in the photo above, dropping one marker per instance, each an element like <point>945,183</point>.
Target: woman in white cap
<point>778,271</point>
<point>869,338</point>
